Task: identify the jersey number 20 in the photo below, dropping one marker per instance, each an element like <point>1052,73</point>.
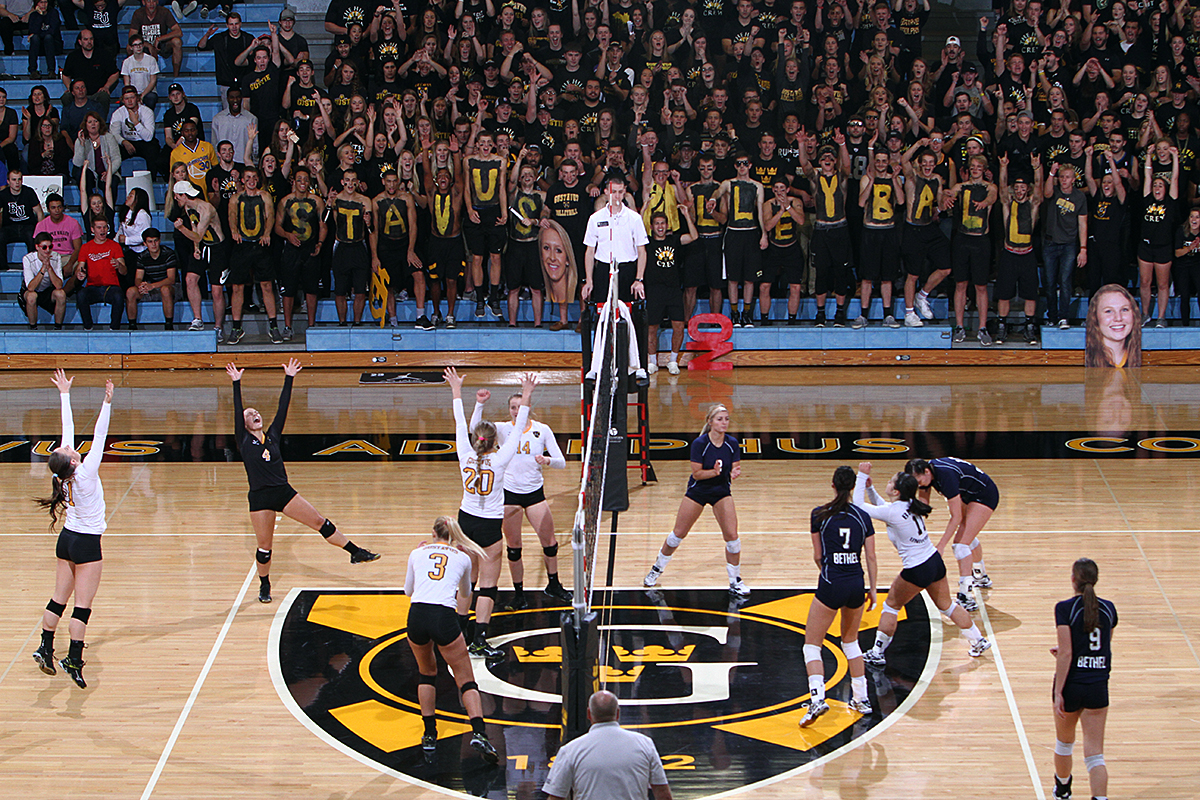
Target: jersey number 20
<point>482,485</point>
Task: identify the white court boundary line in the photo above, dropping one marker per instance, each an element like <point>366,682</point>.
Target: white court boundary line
<point>932,663</point>
<point>187,707</point>
<point>425,534</point>
<point>1012,701</point>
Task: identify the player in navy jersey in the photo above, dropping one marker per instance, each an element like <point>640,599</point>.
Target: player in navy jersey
<point>971,497</point>
<point>842,533</point>
<point>716,461</point>
<point>270,493</point>
<point>1083,662</point>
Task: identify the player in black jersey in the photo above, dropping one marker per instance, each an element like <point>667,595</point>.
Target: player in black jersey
<point>841,534</point>
<point>1083,661</point>
<point>270,492</point>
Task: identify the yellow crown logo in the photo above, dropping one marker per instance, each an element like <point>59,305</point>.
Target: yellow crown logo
<point>552,654</point>
<point>654,652</point>
<point>614,675</point>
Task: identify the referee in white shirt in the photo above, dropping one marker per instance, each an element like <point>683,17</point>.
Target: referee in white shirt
<point>616,231</point>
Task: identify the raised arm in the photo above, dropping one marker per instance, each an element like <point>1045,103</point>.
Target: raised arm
<point>509,448</point>
<point>290,369</point>
<point>239,422</point>
<point>91,462</point>
<point>63,383</point>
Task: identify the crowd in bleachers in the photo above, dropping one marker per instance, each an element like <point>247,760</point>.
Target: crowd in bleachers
<point>776,151</point>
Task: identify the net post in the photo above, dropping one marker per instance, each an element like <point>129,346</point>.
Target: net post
<point>581,671</point>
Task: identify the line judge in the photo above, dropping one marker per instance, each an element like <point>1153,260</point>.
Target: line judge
<point>616,232</point>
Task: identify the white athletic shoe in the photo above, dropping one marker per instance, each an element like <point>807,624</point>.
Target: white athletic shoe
<point>861,706</point>
<point>874,658</point>
<point>923,307</point>
<point>981,581</point>
<point>652,577</point>
<point>739,588</point>
<point>652,368</point>
<point>980,647</point>
<point>673,367</point>
<point>967,602</point>
<point>815,709</point>
<point>197,325</point>
<point>911,320</point>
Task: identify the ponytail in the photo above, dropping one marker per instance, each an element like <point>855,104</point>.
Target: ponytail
<point>483,441</point>
<point>448,530</point>
<point>843,485</point>
<point>906,485</point>
<point>1085,574</point>
<point>62,472</point>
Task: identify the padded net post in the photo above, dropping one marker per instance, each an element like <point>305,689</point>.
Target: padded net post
<point>581,672</point>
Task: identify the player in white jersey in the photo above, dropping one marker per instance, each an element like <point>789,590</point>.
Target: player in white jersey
<point>524,493</point>
<point>78,491</point>
<point>923,568</point>
<point>438,585</point>
<point>481,514</point>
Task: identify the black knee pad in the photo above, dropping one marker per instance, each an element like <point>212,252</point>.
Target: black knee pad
<point>427,680</point>
<point>551,551</point>
<point>82,614</point>
<point>514,553</point>
<point>328,529</point>
<point>489,592</point>
<point>262,556</point>
<point>468,686</point>
<point>56,609</point>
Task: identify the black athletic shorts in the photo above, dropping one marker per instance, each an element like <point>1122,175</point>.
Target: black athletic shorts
<point>213,263</point>
<point>274,498</point>
<point>78,548</point>
<point>45,299</point>
<point>1016,275</point>
<point>989,496</point>
<point>830,252</point>
<point>743,258</point>
<point>925,244</point>
<point>483,532</point>
<point>523,265</point>
<point>485,236</point>
<point>351,268</point>
<point>707,496</point>
<point>427,621</point>
<point>445,258</point>
<point>1077,696</point>
<point>927,573</point>
<point>971,259</point>
<point>879,254</point>
<point>841,594</point>
<point>299,270</point>
<point>786,261</point>
<point>393,257</point>
<point>1155,254</point>
<point>526,500</point>
<point>663,301</point>
<point>250,262</point>
<point>703,264</point>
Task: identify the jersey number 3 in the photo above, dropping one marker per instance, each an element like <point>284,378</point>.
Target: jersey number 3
<point>439,566</point>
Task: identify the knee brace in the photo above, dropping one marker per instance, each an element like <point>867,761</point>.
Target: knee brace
<point>1091,762</point>
<point>82,614</point>
<point>975,544</point>
<point>1063,748</point>
<point>734,547</point>
<point>962,551</point>
<point>673,540</point>
<point>851,649</point>
<point>263,556</point>
<point>328,529</point>
<point>490,593</point>
<point>812,652</point>
<point>887,609</point>
<point>514,553</point>
<point>468,686</point>
<point>551,551</point>
<point>56,609</point>
<point>948,611</point>
<point>427,680</point>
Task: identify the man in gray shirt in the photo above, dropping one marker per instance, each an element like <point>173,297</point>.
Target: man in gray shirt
<point>608,762</point>
<point>1066,241</point>
<point>237,126</point>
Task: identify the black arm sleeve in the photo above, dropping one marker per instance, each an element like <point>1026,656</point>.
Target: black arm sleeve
<point>239,421</point>
<point>285,397</point>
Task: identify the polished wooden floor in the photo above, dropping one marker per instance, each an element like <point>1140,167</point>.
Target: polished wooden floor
<point>181,704</point>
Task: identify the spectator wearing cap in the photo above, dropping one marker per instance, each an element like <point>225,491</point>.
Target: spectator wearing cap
<point>965,81</point>
<point>133,125</point>
<point>1166,113</point>
<point>1020,146</point>
<point>293,48</point>
<point>302,97</point>
<point>179,109</point>
<point>98,72</point>
<point>338,57</point>
<point>140,71</point>
<point>952,58</point>
<point>225,46</point>
<point>160,33</point>
<point>262,87</point>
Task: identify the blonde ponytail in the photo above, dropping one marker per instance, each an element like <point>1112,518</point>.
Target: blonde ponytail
<point>447,529</point>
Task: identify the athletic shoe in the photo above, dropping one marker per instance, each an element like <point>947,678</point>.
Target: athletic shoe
<point>766,322</point>
<point>959,334</point>
<point>204,12</point>
<point>1001,332</point>
<point>44,659</point>
<point>739,588</point>
<point>429,743</point>
<point>480,309</point>
<point>276,335</point>
<point>911,320</point>
<point>1063,325</point>
<point>424,323</point>
<point>517,603</point>
<point>815,709</point>
<point>450,324</point>
<point>224,276</point>
<point>736,316</point>
<point>220,335</point>
<point>984,337</point>
<point>820,321</point>
<point>1031,334</point>
<point>747,319</point>
<point>197,325</point>
<point>861,706</point>
<point>923,307</point>
<point>792,320</point>
<point>288,333</point>
<point>890,322</point>
<point>980,647</point>
<point>1162,323</point>
<point>236,335</point>
<point>651,368</point>
<point>74,670</point>
<point>480,742</point>
<point>559,592</point>
<point>469,296</point>
<point>968,603</point>
<point>1062,791</point>
<point>673,367</point>
<point>839,318</point>
<point>494,305</point>
<point>189,8</point>
<point>874,658</point>
<point>362,555</point>
<point>652,577</point>
<point>438,320</point>
<point>981,581</point>
<point>480,647</point>
<point>264,594</point>
<point>859,322</point>
<point>177,9</point>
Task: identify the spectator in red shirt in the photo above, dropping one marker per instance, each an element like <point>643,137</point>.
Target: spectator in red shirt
<point>100,264</point>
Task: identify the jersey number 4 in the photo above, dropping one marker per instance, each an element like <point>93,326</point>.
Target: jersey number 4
<point>478,482</point>
<point>439,566</point>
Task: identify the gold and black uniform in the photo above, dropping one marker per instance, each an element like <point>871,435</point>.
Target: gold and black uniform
<point>831,236</point>
<point>924,242</point>
<point>703,264</point>
<point>485,236</point>
<point>971,253</point>
<point>743,258</point>
<point>522,259</point>
<point>250,260</point>
<point>880,245</point>
<point>351,253</point>
<point>299,268</point>
<point>444,249</point>
<point>1017,272</point>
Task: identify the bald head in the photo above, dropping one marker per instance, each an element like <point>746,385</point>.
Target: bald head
<point>603,707</point>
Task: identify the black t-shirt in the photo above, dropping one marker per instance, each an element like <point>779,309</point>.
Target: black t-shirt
<point>295,45</point>
<point>174,119</point>
<point>225,50</point>
<point>18,209</point>
<point>570,206</point>
<point>346,12</point>
<point>265,92</point>
<point>1184,239</point>
<point>1105,218</point>
<point>263,460</point>
<point>664,258</point>
<point>102,23</point>
<point>93,71</point>
<point>1158,221</point>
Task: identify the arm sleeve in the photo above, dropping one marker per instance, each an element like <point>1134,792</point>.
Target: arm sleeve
<point>68,422</point>
<point>509,448</point>
<point>462,439</point>
<point>410,576</point>
<point>860,490</point>
<point>91,462</point>
<point>285,399</point>
<point>476,417</point>
<point>239,422</point>
<point>557,459</point>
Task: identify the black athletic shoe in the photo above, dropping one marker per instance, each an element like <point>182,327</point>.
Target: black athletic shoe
<point>517,603</point>
<point>839,318</point>
<point>1062,791</point>
<point>736,316</point>
<point>45,660</point>
<point>559,592</point>
<point>1001,332</point>
<point>429,743</point>
<point>494,304</point>
<point>480,309</point>
<point>362,555</point>
<point>480,647</point>
<point>74,670</point>
<point>264,594</point>
<point>820,323</point>
<point>480,742</point>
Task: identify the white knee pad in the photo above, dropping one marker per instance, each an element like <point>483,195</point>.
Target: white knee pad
<point>851,649</point>
<point>948,611</point>
<point>962,551</point>
<point>975,544</point>
<point>812,652</point>
<point>1063,748</point>
<point>1091,762</point>
<point>673,540</point>
<point>887,609</point>
<point>734,547</point>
